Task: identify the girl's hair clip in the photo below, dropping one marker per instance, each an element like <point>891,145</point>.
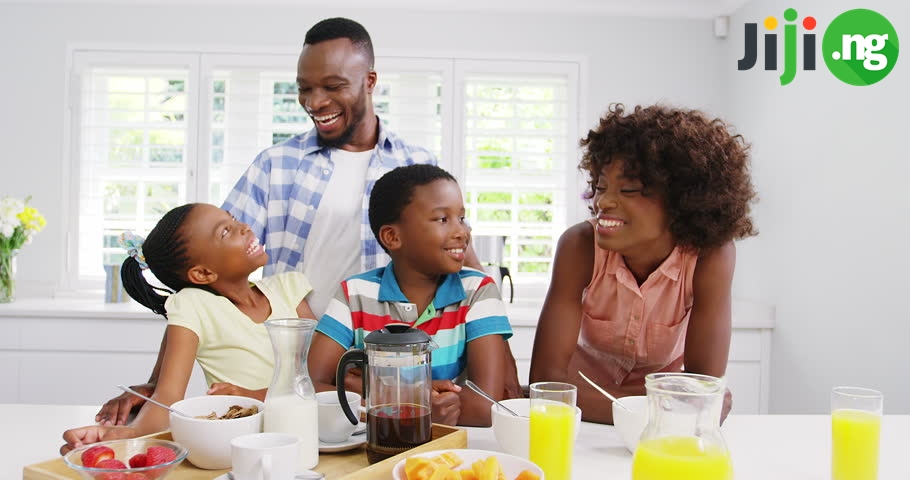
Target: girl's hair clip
<point>132,243</point>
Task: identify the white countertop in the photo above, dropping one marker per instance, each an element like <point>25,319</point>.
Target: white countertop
<point>746,314</point>
<point>75,307</point>
<point>777,447</point>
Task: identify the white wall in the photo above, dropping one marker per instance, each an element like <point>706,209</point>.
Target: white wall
<point>830,165</point>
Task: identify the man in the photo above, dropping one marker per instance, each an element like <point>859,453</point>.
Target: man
<point>307,198</point>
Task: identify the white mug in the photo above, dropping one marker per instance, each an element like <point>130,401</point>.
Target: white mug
<point>264,456</point>
<point>334,426</point>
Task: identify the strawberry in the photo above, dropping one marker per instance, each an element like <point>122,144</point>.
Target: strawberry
<point>136,476</point>
<point>159,455</point>
<point>111,476</point>
<point>138,460</point>
<point>92,456</point>
<point>111,464</point>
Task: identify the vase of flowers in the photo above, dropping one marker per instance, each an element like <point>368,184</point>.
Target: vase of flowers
<point>18,224</point>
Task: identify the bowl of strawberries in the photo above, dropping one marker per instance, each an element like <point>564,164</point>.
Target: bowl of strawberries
<point>129,459</point>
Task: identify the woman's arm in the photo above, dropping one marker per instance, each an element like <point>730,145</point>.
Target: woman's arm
<point>560,324</point>
<point>710,323</point>
<point>708,333</point>
<point>560,317</point>
<point>487,368</point>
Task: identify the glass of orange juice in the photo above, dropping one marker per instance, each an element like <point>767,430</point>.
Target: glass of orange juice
<point>856,419</point>
<point>553,428</point>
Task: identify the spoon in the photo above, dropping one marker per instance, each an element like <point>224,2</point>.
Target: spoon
<point>606,393</point>
<point>147,399</point>
<point>483,394</point>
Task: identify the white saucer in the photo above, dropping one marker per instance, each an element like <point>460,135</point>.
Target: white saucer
<point>351,443</point>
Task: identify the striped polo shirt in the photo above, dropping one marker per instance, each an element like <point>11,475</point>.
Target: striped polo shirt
<point>467,305</point>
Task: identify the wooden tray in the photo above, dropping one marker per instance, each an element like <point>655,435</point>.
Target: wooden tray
<point>349,465</point>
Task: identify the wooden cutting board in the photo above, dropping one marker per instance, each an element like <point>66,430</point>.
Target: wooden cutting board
<point>349,465</point>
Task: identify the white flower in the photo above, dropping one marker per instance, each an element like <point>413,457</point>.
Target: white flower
<point>9,208</point>
<point>7,229</point>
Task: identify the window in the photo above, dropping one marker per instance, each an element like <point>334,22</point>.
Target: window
<point>518,122</point>
<point>151,131</point>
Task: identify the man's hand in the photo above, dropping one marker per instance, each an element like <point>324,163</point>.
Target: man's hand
<point>116,411</point>
<point>446,402</point>
<point>78,437</point>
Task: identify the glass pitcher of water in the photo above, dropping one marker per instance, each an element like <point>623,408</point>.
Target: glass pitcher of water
<point>682,438</point>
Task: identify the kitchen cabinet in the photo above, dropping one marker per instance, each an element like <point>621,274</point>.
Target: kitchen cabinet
<point>68,351</point>
<point>74,351</point>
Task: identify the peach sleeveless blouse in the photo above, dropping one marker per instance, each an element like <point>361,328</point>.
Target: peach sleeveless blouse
<point>629,331</point>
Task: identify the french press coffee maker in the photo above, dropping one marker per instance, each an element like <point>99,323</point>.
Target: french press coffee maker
<point>397,385</point>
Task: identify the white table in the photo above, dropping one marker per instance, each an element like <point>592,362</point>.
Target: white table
<point>775,447</point>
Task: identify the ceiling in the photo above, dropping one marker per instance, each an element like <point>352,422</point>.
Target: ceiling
<point>646,8</point>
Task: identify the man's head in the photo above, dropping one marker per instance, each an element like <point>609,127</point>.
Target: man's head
<point>335,81</point>
<point>417,215</point>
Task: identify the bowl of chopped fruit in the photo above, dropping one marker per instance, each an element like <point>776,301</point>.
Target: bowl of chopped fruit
<point>464,463</point>
<point>133,459</point>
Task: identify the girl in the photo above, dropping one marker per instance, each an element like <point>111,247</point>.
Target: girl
<point>215,315</point>
<point>644,285</point>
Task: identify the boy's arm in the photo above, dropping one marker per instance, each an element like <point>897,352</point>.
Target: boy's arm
<point>486,328</point>
<point>512,386</point>
<point>486,367</point>
<point>322,363</point>
<point>335,329</point>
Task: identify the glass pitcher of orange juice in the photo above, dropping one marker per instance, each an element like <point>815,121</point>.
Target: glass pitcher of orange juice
<point>682,440</point>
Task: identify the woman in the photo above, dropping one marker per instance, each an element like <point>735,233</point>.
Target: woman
<point>644,285</point>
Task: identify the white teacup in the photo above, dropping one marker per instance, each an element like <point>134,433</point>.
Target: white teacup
<point>334,426</point>
<point>513,433</point>
<point>264,456</point>
<point>632,422</point>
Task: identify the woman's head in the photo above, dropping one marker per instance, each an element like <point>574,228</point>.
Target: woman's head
<point>192,245</point>
<point>679,161</point>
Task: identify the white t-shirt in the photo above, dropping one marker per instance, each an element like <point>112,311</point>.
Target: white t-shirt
<point>335,233</point>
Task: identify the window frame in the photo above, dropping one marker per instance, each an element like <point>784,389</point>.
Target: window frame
<point>201,63</point>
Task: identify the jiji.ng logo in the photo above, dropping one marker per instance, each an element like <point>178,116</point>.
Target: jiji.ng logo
<point>859,46</point>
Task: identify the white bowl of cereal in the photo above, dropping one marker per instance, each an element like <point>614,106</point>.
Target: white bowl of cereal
<point>207,439</point>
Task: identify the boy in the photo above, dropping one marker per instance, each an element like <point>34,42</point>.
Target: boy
<point>417,215</point>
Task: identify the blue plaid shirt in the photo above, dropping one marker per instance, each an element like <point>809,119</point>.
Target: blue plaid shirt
<point>280,192</point>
